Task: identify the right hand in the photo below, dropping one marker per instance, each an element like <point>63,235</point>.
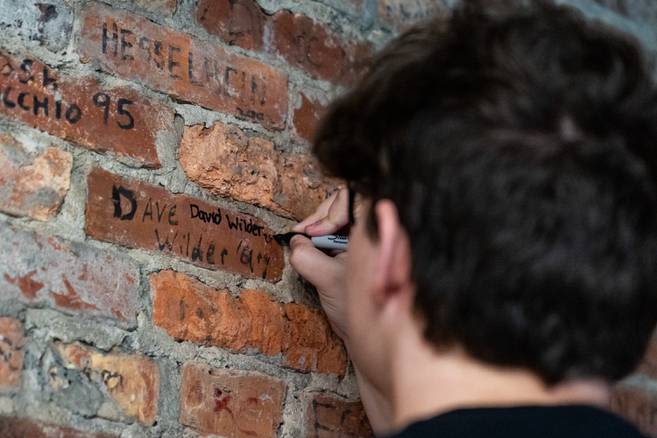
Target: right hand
<point>325,272</point>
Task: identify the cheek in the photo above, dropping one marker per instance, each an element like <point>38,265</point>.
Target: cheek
<point>358,273</point>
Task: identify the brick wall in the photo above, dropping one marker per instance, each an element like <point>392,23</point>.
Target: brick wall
<point>148,152</point>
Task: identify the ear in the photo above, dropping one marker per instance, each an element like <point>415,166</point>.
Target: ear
<point>393,283</point>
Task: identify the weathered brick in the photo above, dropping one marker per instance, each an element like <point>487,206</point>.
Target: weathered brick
<point>32,184</point>
<point>311,46</point>
<point>135,48</point>
<point>117,119</point>
<point>133,381</point>
<point>188,310</point>
<point>400,14</point>
<point>229,163</point>
<point>306,117</point>
<point>238,22</point>
<point>72,277</point>
<point>139,215</point>
<point>638,404</point>
<point>230,403</point>
<point>329,416</point>
<point>11,353</point>
<point>15,427</point>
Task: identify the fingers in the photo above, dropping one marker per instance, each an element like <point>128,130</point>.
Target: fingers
<point>335,218</point>
<point>321,212</point>
<point>314,265</point>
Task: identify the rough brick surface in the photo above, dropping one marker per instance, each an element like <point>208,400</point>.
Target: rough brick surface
<point>229,163</point>
<point>300,40</point>
<point>135,48</point>
<point>638,404</point>
<point>140,215</point>
<point>306,117</point>
<point>15,427</point>
<point>188,310</point>
<point>11,353</point>
<point>400,14</point>
<point>238,22</point>
<point>311,46</point>
<point>117,119</point>
<point>32,184</point>
<point>72,277</point>
<point>329,416</point>
<point>133,381</point>
<point>48,23</point>
<point>230,403</point>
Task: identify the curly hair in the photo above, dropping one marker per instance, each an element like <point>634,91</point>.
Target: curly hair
<point>520,148</point>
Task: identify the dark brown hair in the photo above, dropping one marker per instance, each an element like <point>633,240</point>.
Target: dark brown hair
<point>520,150</point>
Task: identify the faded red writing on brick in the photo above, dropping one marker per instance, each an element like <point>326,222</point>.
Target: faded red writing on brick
<point>115,119</point>
<point>71,276</point>
<point>230,403</point>
<point>191,311</point>
<point>140,215</point>
<point>135,48</point>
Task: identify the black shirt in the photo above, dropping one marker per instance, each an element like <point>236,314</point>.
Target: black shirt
<point>563,421</point>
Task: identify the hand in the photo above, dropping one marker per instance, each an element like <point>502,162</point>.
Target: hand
<point>323,271</point>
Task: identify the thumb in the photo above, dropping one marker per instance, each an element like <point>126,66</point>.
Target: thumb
<point>312,264</point>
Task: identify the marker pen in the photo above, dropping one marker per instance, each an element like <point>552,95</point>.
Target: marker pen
<point>329,241</point>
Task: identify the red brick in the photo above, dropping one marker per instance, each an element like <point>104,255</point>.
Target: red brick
<point>230,403</point>
<point>306,117</point>
<point>74,109</point>
<point>11,353</point>
<point>32,184</point>
<point>638,404</point>
<point>139,215</point>
<point>135,48</point>
<point>328,416</point>
<point>14,427</point>
<point>401,14</point>
<point>229,163</point>
<point>72,277</point>
<point>311,46</point>
<point>190,311</point>
<point>238,22</point>
<point>133,381</point>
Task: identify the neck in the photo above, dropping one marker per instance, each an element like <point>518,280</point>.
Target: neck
<point>426,383</point>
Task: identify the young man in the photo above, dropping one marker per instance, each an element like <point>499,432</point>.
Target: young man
<point>501,267</point>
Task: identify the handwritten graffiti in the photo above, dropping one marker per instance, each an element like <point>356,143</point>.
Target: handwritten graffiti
<point>146,216</point>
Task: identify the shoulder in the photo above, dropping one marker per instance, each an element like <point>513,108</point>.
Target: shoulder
<point>537,421</point>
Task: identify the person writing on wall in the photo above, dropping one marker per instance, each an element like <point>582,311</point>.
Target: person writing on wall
<point>502,207</point>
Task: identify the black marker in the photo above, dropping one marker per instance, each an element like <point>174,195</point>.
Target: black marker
<point>330,241</point>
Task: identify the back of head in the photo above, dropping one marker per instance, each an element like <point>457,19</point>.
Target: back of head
<point>520,148</point>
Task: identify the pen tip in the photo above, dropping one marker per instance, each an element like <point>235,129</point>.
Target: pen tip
<point>284,239</point>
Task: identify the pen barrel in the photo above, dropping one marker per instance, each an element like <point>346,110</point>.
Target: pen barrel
<point>331,242</point>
